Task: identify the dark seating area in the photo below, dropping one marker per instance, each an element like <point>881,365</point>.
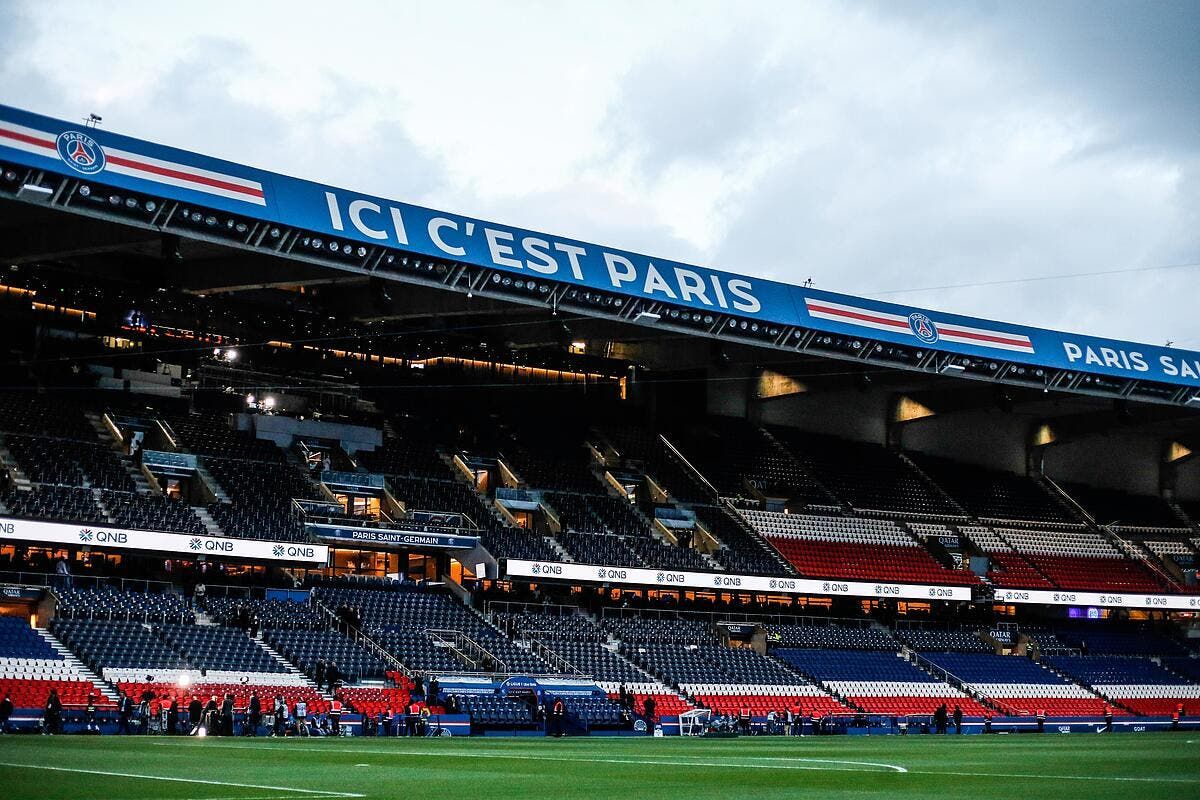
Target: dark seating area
<point>595,659</point>
<point>304,647</point>
<point>117,645</point>
<point>677,630</point>
<point>211,647</point>
<point>279,614</point>
<point>151,513</point>
<point>402,619</point>
<point>744,552</point>
<point>641,446</point>
<point>943,641</point>
<point>740,460</point>
<point>1112,507</point>
<point>560,623</point>
<point>992,494</point>
<point>36,414</point>
<point>867,476</point>
<point>110,603</point>
<point>211,434</point>
<point>69,462</point>
<point>57,503</point>
<point>262,495</point>
<point>835,637</point>
<point>19,640</point>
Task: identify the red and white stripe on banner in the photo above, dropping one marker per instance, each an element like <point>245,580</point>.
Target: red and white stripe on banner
<point>898,323</point>
<point>121,162</point>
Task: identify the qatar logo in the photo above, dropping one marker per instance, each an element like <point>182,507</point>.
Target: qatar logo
<point>923,327</point>
<point>80,152</point>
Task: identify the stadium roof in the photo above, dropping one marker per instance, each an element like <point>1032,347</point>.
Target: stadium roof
<point>241,228</point>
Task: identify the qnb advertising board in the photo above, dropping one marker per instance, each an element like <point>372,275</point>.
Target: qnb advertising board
<point>379,538</point>
<point>179,544</point>
<point>588,573</point>
<point>348,216</point>
<point>1107,600</point>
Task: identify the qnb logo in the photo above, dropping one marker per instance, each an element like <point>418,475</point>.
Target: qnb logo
<point>196,544</point>
<point>670,577</point>
<point>881,589</point>
<point>779,583</point>
<point>86,535</point>
<point>923,327</point>
<point>80,152</point>
<point>835,588</point>
<point>278,550</point>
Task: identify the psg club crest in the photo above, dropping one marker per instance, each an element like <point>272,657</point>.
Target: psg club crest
<point>80,152</point>
<point>923,327</point>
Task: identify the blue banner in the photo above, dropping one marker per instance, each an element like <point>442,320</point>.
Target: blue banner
<point>373,538</point>
<point>345,216</point>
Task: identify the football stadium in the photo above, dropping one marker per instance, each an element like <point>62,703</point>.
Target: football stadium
<point>307,493</point>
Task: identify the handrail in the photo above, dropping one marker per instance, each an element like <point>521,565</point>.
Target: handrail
<point>460,643</point>
<point>550,656</point>
<point>674,451</point>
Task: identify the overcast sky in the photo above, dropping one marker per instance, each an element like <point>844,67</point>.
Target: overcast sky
<point>872,147</point>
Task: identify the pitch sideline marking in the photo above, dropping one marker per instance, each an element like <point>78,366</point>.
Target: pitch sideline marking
<point>320,792</point>
<point>730,762</point>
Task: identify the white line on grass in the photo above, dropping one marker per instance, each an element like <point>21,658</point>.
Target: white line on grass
<point>725,763</point>
<point>1118,778</point>
<point>289,789</point>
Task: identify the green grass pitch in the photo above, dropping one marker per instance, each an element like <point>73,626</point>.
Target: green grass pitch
<point>1053,767</point>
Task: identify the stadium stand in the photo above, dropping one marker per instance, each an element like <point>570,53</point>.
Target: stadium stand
<point>868,476</point>
<point>852,547</point>
<point>878,682</point>
<point>262,494</point>
<point>1019,686</point>
<point>1139,684</point>
<point>993,495</point>
<point>30,667</point>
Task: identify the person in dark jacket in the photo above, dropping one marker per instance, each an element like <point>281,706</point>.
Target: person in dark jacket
<point>434,689</point>
<point>195,714</point>
<point>957,719</point>
<point>173,717</point>
<point>650,707</point>
<point>332,675</point>
<point>124,714</point>
<point>319,672</point>
<point>211,712</point>
<point>52,716</point>
<point>6,710</point>
<point>227,715</point>
<point>255,715</point>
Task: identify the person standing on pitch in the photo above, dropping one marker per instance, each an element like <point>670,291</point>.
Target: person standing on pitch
<point>195,714</point>
<point>957,719</point>
<point>6,710</point>
<point>124,714</point>
<point>254,715</point>
<point>52,717</point>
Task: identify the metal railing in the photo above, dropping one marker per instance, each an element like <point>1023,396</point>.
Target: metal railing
<point>469,650</point>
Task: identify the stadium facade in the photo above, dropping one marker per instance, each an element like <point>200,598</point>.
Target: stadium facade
<point>257,426</point>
